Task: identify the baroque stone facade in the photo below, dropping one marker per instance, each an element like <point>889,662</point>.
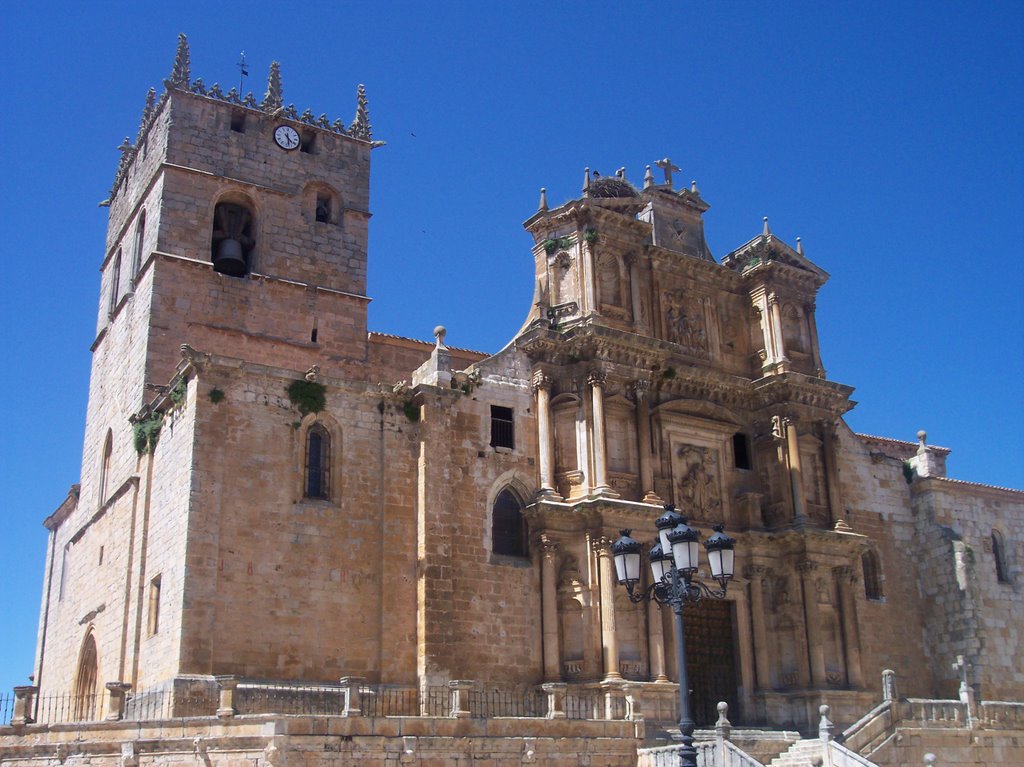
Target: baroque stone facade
<point>252,452</point>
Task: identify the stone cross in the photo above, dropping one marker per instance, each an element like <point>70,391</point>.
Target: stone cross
<point>669,168</point>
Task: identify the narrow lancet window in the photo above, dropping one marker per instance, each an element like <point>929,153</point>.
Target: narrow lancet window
<point>508,526</point>
<point>318,452</point>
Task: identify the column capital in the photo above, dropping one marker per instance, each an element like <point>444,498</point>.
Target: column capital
<point>639,389</point>
<point>601,545</point>
<point>596,378</point>
<point>756,571</point>
<point>541,380</point>
<point>845,573</point>
<point>807,568</point>
<point>548,546</point>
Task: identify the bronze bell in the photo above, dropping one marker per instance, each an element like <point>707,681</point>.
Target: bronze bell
<point>230,259</point>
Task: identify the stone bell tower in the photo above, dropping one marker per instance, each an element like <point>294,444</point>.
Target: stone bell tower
<point>238,226</point>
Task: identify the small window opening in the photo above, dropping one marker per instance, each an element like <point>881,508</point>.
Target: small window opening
<point>872,575</point>
<point>508,526</point>
<point>741,451</point>
<point>232,239</point>
<point>64,565</point>
<point>323,208</point>
<point>307,142</point>
<point>115,284</point>
<point>502,427</point>
<point>238,122</point>
<point>999,554</point>
<point>101,556</point>
<point>318,453</point>
<point>154,605</point>
<point>140,236</point>
<point>312,336</point>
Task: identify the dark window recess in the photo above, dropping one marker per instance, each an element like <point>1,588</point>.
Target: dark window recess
<point>741,451</point>
<point>998,552</point>
<point>872,575</point>
<point>312,336</point>
<point>508,526</point>
<point>502,427</point>
<point>307,142</point>
<point>323,208</point>
<point>238,122</point>
<point>318,450</point>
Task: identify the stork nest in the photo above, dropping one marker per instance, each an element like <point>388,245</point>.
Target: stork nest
<point>611,186</point>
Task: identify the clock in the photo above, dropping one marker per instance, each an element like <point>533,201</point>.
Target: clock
<point>286,137</point>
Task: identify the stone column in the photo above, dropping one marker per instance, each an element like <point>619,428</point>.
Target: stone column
<point>549,608</point>
<point>555,692</point>
<point>115,703</point>
<point>545,433</point>
<point>759,575</point>
<point>744,634</point>
<point>812,327</point>
<point>812,622</point>
<point>795,472</point>
<point>596,379</point>
<point>460,697</point>
<point>656,642</point>
<point>226,705</point>
<point>828,449</point>
<point>609,640</point>
<point>641,391</point>
<point>634,295</point>
<point>352,687</point>
<point>775,317</point>
<point>23,695</point>
<point>846,578</point>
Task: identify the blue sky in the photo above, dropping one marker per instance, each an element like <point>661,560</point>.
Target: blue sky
<point>887,135</point>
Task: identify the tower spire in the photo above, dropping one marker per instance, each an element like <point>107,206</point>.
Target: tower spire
<point>181,72</point>
<point>361,127</point>
<point>274,97</point>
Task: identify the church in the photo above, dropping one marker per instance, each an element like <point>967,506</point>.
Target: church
<point>352,540</point>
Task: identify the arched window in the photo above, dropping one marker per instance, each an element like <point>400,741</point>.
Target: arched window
<point>85,707</point>
<point>508,526</point>
<point>115,284</point>
<point>318,462</point>
<point>872,575</point>
<point>108,453</point>
<point>999,554</point>
<point>140,235</point>
<point>232,240</point>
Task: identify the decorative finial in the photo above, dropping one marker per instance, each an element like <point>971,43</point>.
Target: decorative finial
<point>669,168</point>
<point>586,180</point>
<point>243,71</point>
<point>799,246</point>
<point>361,127</point>
<point>147,112</point>
<point>922,435</point>
<point>766,231</point>
<point>543,199</point>
<point>693,188</point>
<point>648,177</point>
<point>181,73</point>
<point>273,99</point>
<point>439,333</point>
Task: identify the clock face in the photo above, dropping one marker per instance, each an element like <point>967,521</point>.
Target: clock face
<point>286,137</point>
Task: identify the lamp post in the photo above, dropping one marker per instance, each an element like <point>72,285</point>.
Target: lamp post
<point>674,560</point>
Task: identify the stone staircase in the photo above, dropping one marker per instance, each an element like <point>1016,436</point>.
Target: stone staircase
<point>803,753</point>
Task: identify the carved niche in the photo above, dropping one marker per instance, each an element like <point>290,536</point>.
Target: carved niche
<point>685,322</point>
<point>697,482</point>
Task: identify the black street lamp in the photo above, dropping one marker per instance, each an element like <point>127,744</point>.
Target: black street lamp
<point>674,561</point>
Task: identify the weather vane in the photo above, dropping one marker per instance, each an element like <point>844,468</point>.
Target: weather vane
<point>243,68</point>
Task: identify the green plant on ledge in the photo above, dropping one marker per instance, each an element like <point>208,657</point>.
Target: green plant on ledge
<point>216,395</point>
<point>178,392</point>
<point>908,472</point>
<point>591,235</point>
<point>411,410</point>
<point>307,396</point>
<point>553,244</point>
<point>147,432</point>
